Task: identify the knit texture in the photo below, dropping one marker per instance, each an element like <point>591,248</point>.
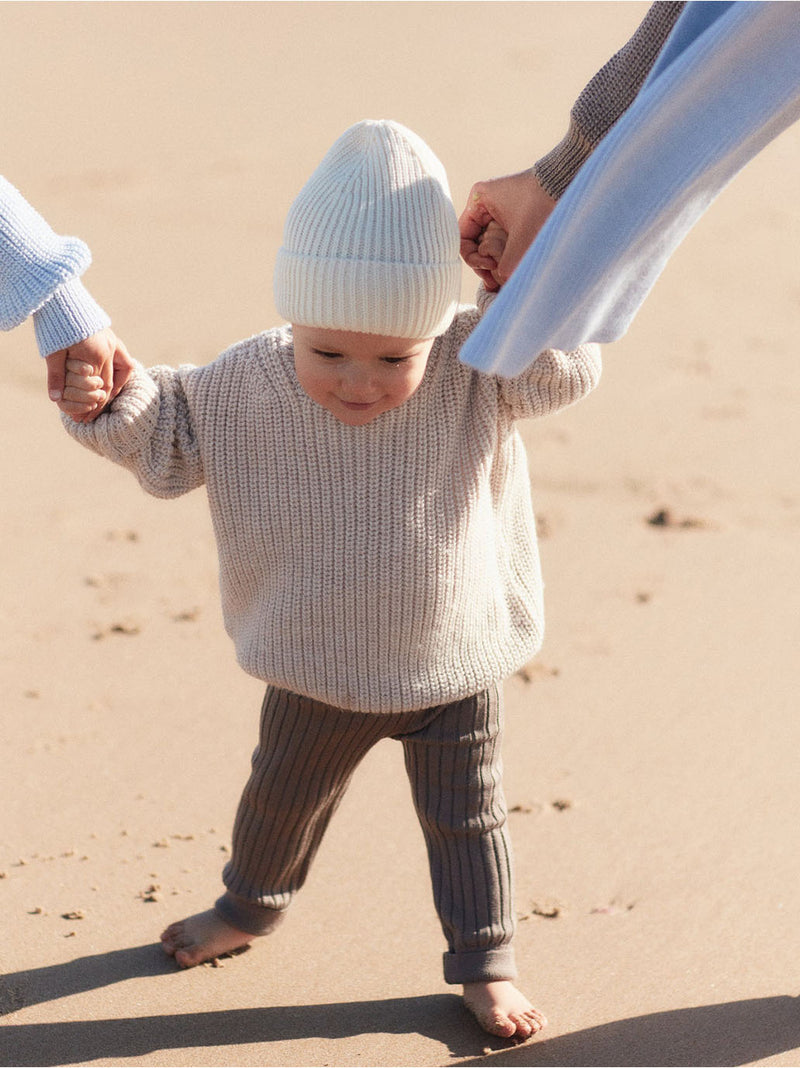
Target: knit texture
<point>371,243</point>
<point>453,760</point>
<point>39,273</point>
<point>70,315</point>
<point>382,568</point>
<point>607,96</point>
<point>725,84</point>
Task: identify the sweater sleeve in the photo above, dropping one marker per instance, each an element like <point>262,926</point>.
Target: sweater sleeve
<point>148,429</point>
<point>554,380</point>
<point>39,273</point>
<point>606,98</point>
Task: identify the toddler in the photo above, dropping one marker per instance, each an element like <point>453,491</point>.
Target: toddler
<point>377,551</point>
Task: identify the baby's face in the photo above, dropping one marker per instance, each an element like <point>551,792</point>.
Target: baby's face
<point>358,376</point>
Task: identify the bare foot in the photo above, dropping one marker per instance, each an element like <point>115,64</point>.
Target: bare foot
<point>202,937</point>
<point>502,1010</point>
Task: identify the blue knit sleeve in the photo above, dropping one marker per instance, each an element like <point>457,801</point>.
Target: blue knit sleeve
<point>39,273</point>
<point>69,316</point>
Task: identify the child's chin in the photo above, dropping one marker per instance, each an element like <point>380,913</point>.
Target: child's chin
<point>356,416</point>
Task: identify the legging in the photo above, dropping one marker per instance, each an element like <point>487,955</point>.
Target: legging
<point>304,761</point>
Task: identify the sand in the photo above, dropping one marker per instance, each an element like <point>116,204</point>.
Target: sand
<point>651,748</point>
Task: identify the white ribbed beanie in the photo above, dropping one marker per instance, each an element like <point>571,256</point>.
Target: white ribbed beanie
<point>371,243</point>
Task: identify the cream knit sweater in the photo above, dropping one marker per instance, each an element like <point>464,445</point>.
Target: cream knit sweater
<point>381,568</point>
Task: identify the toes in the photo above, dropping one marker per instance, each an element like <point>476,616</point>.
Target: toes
<point>175,939</point>
<point>171,938</point>
<point>499,1024</point>
<point>168,944</point>
<point>535,1020</point>
<point>515,1024</point>
<point>501,1010</point>
<point>523,1027</point>
<point>527,1023</point>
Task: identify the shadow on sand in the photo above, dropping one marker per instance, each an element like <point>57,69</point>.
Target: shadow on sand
<point>735,1033</point>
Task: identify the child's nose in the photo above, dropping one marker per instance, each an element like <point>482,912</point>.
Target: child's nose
<point>360,383</point>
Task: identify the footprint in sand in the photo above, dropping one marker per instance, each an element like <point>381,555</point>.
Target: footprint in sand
<point>129,629</point>
<point>536,671</point>
<point>663,517</point>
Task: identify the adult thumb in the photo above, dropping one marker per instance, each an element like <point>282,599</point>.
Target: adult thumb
<point>56,374</point>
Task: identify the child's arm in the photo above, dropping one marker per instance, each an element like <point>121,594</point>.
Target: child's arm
<point>147,429</point>
<point>555,380</point>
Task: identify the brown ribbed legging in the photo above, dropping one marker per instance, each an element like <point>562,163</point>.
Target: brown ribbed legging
<point>306,756</point>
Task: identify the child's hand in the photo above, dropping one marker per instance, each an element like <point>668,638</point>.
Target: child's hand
<point>518,204</point>
<point>491,247</point>
<point>106,358</point>
<point>84,394</point>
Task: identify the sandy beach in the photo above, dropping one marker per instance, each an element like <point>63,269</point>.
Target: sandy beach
<point>651,749</point>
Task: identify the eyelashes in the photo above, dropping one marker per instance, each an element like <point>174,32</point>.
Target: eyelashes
<point>391,360</point>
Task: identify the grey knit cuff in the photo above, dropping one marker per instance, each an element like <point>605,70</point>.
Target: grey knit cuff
<point>480,966</point>
<point>69,316</point>
<point>556,170</point>
<point>484,298</point>
<point>245,916</point>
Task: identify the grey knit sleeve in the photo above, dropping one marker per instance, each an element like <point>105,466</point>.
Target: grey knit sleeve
<point>149,430</point>
<point>607,96</point>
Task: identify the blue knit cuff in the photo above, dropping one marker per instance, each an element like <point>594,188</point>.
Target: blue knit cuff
<point>34,261</point>
<point>69,316</point>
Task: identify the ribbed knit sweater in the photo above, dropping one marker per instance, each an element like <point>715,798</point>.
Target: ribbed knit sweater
<point>39,275</point>
<point>381,568</point>
<point>606,97</point>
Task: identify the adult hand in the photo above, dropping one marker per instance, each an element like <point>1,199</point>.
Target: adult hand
<point>519,206</point>
<point>106,357</point>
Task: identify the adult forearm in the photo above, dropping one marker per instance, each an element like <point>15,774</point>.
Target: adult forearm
<point>607,97</point>
<point>39,275</point>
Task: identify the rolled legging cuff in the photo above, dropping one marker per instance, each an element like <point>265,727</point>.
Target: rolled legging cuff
<point>480,966</point>
<point>245,916</point>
